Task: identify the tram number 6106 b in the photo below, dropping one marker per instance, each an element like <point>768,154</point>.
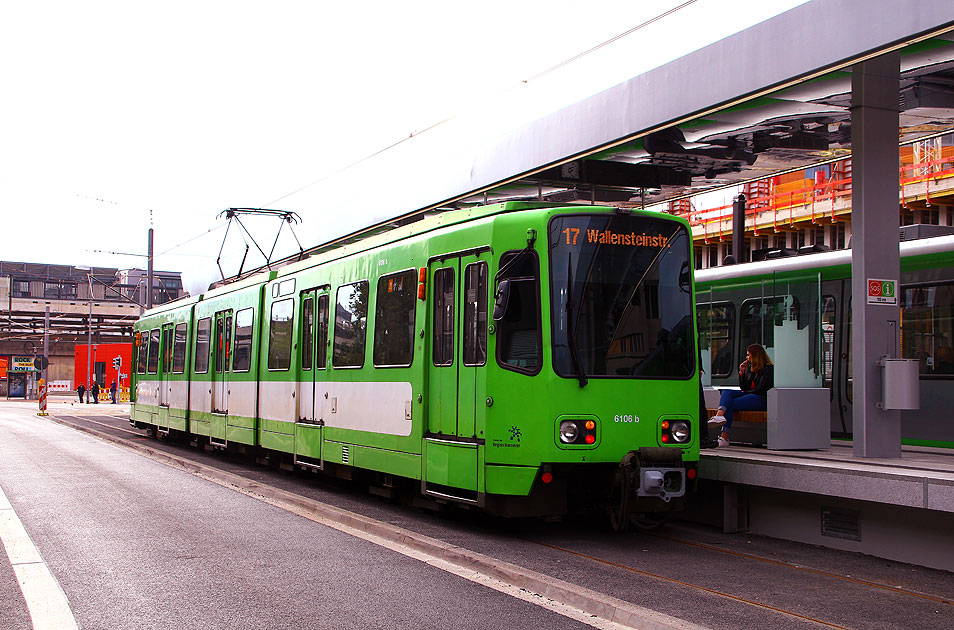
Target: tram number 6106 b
<point>626,418</point>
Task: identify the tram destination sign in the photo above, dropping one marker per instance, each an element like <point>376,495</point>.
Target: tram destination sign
<point>882,292</point>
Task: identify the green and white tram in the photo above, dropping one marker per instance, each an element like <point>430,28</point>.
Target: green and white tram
<point>799,308</point>
<point>516,357</point>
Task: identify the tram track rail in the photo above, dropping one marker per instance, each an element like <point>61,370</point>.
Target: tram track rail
<point>698,587</point>
<point>785,612</point>
<point>898,590</point>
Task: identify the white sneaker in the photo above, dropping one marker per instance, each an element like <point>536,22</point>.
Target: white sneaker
<point>723,442</point>
<point>717,420</point>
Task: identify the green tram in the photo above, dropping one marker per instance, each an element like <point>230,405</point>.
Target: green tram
<point>518,357</point>
<point>799,307</point>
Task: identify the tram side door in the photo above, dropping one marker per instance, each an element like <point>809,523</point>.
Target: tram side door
<point>222,355</point>
<point>165,384</point>
<point>311,365</point>
<point>458,318</point>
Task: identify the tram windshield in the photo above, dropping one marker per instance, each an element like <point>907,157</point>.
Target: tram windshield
<point>621,297</point>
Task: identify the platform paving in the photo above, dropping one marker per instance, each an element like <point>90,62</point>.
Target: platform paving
<point>922,477</point>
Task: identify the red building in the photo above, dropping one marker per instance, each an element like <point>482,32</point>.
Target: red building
<point>101,359</point>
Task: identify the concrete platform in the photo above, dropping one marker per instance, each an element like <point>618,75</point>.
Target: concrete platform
<point>901,509</point>
<point>922,478</point>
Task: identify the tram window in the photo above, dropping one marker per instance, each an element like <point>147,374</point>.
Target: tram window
<point>179,349</point>
<point>307,332</point>
<point>760,316</point>
<point>518,329</point>
<point>228,340</point>
<point>394,319</point>
<point>322,332</point>
<point>280,334</point>
<point>141,352</point>
<point>242,358</point>
<point>202,330</point>
<point>167,340</point>
<point>444,300</point>
<point>716,332</point>
<point>927,330</point>
<point>475,314</point>
<point>220,342</point>
<point>351,325</point>
<point>153,365</point>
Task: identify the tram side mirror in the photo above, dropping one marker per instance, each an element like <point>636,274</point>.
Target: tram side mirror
<point>502,299</point>
<point>684,277</point>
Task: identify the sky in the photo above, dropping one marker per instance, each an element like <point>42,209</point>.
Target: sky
<point>121,116</point>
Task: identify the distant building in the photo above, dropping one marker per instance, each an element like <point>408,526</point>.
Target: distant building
<point>107,314</point>
<point>166,285</point>
<point>810,209</point>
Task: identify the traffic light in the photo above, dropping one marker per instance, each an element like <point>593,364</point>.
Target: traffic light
<point>117,362</point>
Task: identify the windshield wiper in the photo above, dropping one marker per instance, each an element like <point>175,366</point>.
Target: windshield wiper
<point>570,338</point>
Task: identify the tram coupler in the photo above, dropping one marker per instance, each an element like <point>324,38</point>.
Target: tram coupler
<point>645,482</point>
<point>655,472</point>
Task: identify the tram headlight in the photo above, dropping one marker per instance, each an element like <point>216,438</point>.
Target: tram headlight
<point>679,431</point>
<point>569,431</point>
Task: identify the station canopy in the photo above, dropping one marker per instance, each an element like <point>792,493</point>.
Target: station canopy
<point>773,98</point>
<point>789,129</point>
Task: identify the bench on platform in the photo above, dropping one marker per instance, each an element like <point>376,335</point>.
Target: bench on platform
<point>797,418</point>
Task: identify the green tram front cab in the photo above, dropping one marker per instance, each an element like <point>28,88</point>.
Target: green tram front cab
<point>593,386</point>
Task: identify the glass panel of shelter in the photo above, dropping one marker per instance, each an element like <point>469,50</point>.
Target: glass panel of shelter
<point>785,316</point>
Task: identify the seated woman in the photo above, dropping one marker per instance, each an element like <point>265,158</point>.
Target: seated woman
<point>756,377</point>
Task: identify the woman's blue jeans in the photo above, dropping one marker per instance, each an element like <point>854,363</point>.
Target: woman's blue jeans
<point>736,400</point>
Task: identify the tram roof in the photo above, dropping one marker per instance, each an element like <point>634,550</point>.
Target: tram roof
<point>773,98</point>
<point>745,273</point>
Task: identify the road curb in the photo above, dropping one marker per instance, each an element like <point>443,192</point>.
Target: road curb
<point>591,602</point>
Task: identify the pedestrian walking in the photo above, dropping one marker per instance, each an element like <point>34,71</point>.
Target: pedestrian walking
<point>95,391</point>
<point>81,389</point>
<point>112,391</point>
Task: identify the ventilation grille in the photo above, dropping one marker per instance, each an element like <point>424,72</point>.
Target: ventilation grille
<point>841,523</point>
<point>345,454</point>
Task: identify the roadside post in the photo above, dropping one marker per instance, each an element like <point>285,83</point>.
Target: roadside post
<point>42,411</point>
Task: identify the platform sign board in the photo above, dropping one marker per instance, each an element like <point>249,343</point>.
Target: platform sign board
<point>882,292</point>
<point>21,364</point>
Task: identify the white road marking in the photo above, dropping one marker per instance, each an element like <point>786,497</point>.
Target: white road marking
<point>472,575</point>
<point>46,601</point>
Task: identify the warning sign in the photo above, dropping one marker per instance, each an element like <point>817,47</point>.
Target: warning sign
<point>882,292</point>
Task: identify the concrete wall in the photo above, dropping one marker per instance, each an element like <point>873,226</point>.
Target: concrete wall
<point>905,534</point>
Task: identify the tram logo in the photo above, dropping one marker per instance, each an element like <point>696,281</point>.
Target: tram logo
<point>513,442</point>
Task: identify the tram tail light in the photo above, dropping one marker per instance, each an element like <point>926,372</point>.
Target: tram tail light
<point>422,283</point>
<point>546,477</point>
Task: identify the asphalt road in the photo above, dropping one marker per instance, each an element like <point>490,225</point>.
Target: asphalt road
<point>136,544</point>
<point>139,544</point>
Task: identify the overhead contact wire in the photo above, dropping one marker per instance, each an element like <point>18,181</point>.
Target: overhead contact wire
<point>414,134</point>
